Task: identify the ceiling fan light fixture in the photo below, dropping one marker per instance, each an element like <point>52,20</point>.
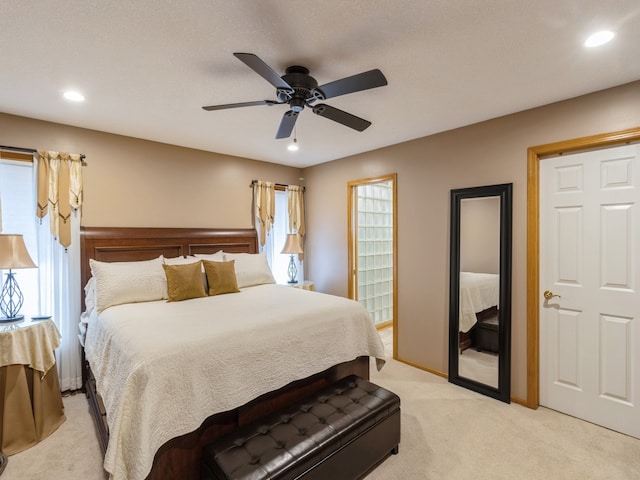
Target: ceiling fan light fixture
<point>293,147</point>
<point>599,38</point>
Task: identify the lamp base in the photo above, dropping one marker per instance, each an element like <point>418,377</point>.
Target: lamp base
<point>11,319</point>
<point>11,299</point>
<point>292,270</point>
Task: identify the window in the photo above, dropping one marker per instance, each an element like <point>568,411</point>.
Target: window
<point>18,201</point>
<point>279,262</point>
<point>53,288</point>
<point>371,246</point>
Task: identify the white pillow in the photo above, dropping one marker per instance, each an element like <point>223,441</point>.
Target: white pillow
<point>128,282</point>
<point>251,268</point>
<point>180,260</point>
<point>90,295</point>
<point>214,257</point>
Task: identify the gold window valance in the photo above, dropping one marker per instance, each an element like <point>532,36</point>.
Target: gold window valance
<point>59,190</point>
<point>264,202</point>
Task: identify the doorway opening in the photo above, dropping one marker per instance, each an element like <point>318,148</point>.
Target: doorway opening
<point>372,248</point>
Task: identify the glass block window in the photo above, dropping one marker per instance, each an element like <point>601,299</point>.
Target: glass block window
<point>375,249</point>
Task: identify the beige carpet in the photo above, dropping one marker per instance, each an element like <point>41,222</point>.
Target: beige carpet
<point>452,433</point>
<point>71,452</point>
<point>447,433</point>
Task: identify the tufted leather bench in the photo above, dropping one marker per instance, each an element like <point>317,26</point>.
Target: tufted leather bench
<point>339,433</point>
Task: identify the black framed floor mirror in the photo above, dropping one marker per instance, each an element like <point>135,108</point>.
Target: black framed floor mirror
<point>480,290</point>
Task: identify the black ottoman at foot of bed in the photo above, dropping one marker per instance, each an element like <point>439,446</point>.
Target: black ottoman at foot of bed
<point>339,433</point>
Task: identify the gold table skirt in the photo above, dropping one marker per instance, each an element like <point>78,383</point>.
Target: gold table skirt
<point>31,407</point>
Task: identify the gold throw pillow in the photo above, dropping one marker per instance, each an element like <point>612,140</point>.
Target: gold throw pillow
<point>221,277</point>
<point>184,281</point>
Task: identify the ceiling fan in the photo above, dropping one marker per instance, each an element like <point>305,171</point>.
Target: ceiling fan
<point>299,89</point>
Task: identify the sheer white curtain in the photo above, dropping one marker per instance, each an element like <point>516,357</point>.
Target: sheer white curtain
<point>59,277</point>
<point>59,208</point>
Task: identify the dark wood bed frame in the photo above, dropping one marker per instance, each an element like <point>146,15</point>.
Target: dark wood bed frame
<point>180,457</point>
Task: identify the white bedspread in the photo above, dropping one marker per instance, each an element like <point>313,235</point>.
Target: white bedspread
<point>478,291</point>
<point>162,368</point>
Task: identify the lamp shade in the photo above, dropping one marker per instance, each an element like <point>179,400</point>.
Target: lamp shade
<point>13,252</point>
<point>292,245</point>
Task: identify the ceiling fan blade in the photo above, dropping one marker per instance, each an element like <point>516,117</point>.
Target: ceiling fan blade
<point>341,116</point>
<point>242,104</point>
<point>286,125</point>
<point>355,83</point>
<point>265,71</point>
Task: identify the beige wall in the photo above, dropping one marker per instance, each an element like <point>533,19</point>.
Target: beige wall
<point>136,183</point>
<point>131,182</point>
<point>428,168</point>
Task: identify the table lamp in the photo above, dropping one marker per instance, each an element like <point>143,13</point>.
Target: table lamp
<point>292,247</point>
<point>13,255</point>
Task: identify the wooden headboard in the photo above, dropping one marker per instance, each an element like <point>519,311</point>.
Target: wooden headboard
<point>113,244</point>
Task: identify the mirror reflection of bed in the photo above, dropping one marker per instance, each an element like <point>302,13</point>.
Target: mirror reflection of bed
<point>479,289</point>
<point>479,300</point>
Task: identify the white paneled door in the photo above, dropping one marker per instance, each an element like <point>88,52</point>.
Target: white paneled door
<point>589,267</point>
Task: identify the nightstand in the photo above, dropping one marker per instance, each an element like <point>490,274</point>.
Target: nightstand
<point>304,285</point>
<point>31,404</point>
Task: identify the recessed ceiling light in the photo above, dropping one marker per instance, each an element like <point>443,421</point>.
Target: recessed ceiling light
<point>74,96</point>
<point>599,38</point>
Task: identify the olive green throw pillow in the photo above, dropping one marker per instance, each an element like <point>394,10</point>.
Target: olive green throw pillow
<point>221,277</point>
<point>184,281</point>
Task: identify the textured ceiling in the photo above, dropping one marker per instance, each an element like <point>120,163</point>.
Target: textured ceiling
<point>147,67</point>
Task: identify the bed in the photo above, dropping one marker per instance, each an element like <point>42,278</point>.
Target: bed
<point>166,378</point>
<point>479,292</point>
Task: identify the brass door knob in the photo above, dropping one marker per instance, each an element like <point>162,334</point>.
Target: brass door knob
<point>548,294</point>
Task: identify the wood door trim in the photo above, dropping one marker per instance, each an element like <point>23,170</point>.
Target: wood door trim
<point>534,156</point>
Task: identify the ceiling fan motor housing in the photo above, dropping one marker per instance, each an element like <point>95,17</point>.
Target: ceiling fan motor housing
<point>304,88</point>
